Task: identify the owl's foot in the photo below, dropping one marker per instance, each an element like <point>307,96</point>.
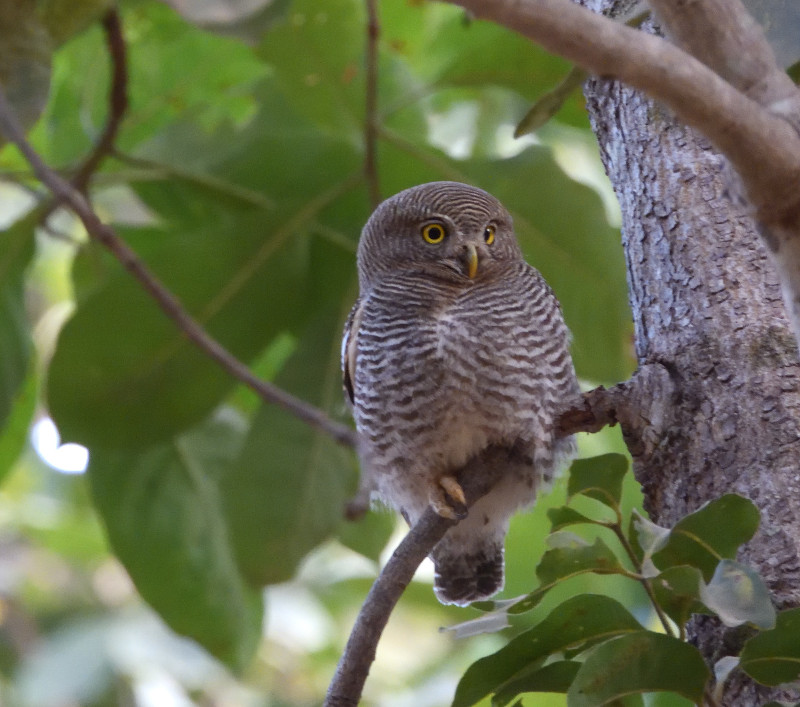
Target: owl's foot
<point>448,500</point>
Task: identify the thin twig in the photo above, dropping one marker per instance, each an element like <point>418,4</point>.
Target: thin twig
<point>67,194</point>
<point>644,581</point>
<point>371,105</point>
<point>117,101</point>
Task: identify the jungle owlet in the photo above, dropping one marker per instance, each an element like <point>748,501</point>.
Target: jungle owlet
<point>454,344</point>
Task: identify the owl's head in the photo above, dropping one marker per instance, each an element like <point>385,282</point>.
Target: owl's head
<point>445,229</point>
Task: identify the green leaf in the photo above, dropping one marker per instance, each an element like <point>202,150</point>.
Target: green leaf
<point>710,534</point>
<point>288,489</point>
<point>564,516</point>
<point>737,594</point>
<point>639,662</point>
<point>16,253</point>
<point>579,621</point>
<point>370,534</point>
<point>565,561</point>
<point>162,511</point>
<point>677,592</point>
<point>25,52</point>
<point>324,81</point>
<point>14,438</point>
<point>562,562</point>
<point>549,103</point>
<point>553,677</point>
<point>599,478</point>
<point>773,657</point>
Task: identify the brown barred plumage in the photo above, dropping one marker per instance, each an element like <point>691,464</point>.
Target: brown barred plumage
<point>454,345</point>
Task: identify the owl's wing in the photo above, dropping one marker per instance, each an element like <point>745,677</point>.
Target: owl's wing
<point>349,342</point>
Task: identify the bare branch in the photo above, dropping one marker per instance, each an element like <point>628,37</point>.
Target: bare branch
<point>725,37</point>
<point>371,105</point>
<point>67,194</point>
<point>117,103</point>
<point>351,673</point>
<point>592,411</point>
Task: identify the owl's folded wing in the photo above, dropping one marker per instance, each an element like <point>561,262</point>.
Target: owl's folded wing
<point>349,344</point>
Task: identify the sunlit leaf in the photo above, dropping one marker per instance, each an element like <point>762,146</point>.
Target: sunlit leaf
<point>287,490</point>
<point>737,594</point>
<point>491,622</point>
<point>773,657</point>
<point>639,662</point>
<point>162,511</point>
<point>710,534</point>
<point>566,560</point>
<point>580,621</point>
<point>565,516</point>
<point>599,478</point>
<point>16,252</point>
<point>14,436</point>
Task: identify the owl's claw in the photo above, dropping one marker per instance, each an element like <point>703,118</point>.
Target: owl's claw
<point>448,500</point>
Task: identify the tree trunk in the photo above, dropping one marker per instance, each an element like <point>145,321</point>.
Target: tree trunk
<point>718,364</point>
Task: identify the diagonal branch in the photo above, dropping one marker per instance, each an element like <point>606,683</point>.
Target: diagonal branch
<point>68,195</point>
<point>351,673</point>
<point>117,101</point>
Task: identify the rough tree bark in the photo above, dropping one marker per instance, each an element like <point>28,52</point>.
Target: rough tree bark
<point>717,386</point>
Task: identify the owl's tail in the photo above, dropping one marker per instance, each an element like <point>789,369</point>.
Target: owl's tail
<point>467,572</point>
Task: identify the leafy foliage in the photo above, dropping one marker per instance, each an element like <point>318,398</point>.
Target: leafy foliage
<point>593,649</point>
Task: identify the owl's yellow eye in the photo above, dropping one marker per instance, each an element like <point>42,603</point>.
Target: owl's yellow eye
<point>488,235</point>
<point>433,233</point>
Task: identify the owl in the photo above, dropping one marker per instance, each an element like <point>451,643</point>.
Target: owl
<point>454,344</point>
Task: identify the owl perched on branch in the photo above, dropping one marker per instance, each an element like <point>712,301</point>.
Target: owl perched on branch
<point>454,344</point>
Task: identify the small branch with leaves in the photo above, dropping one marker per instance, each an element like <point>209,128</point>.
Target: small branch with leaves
<point>66,194</point>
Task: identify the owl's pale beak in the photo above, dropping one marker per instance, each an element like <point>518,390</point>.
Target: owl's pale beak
<point>472,260</point>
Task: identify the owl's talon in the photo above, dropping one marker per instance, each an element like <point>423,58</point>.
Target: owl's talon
<point>453,489</point>
<point>448,500</point>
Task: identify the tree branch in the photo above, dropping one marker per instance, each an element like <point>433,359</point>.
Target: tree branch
<point>67,194</point>
<point>351,673</point>
<point>371,105</point>
<point>724,36</point>
<point>117,101</point>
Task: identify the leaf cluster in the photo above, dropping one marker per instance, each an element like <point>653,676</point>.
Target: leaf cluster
<point>593,649</point>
